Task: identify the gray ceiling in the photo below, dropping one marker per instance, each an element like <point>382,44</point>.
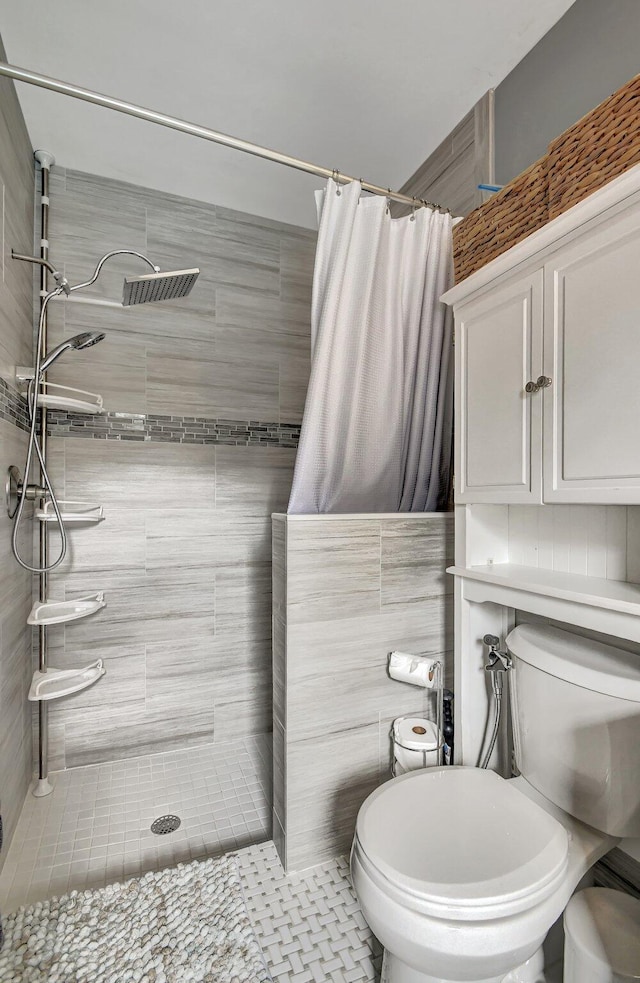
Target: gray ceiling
<point>368,86</point>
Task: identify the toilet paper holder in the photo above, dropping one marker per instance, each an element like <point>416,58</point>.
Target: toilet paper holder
<point>424,671</point>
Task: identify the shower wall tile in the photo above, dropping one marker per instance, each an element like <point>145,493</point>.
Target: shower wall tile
<point>212,384</point>
<point>347,592</point>
<point>150,613</point>
<point>183,546</point>
<point>294,376</point>
<point>243,603</point>
<point>93,219</point>
<point>171,324</point>
<point>331,778</point>
<point>296,269</point>
<point>124,682</point>
<point>413,572</point>
<point>184,553</point>
<point>110,733</point>
<point>279,565</point>
<point>279,671</point>
<point>252,482</point>
<point>333,569</point>
<point>279,776</point>
<point>116,371</point>
<point>180,675</point>
<point>261,327</point>
<point>108,555</point>
<point>140,476</point>
<point>226,256</point>
<point>246,711</point>
<point>16,326</point>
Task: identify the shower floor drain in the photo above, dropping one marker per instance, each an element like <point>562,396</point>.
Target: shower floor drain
<point>165,824</point>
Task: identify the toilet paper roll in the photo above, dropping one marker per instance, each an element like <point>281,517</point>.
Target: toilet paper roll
<point>412,669</point>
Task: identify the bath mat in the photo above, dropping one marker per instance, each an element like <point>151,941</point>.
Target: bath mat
<point>187,924</point>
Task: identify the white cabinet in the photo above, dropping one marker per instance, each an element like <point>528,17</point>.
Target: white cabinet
<point>592,352</point>
<point>498,350</point>
<point>571,322</point>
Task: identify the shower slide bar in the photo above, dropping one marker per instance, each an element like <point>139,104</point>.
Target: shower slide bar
<point>203,132</point>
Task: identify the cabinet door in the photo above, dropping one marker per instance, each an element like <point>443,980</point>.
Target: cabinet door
<point>592,355</point>
<point>498,425</point>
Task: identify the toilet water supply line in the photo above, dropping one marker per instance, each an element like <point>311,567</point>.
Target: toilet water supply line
<point>498,665</point>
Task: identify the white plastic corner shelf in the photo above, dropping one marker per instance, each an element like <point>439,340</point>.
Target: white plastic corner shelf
<point>55,397</point>
<point>54,683</point>
<point>72,513</point>
<point>60,612</point>
<point>609,606</point>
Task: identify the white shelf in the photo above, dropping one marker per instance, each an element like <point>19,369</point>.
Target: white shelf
<point>610,606</point>
<point>59,612</point>
<point>55,397</point>
<point>73,513</point>
<point>54,683</point>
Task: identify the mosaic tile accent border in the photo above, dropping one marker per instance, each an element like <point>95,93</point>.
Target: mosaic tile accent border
<point>150,426</point>
<point>173,429</point>
<point>13,406</point>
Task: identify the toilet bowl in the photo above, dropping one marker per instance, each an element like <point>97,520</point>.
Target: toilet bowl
<point>461,873</point>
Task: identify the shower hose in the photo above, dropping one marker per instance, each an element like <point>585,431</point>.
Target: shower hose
<point>496,684</point>
<point>32,402</point>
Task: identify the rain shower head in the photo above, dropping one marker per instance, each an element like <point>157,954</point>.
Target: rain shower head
<point>158,286</point>
<point>79,341</point>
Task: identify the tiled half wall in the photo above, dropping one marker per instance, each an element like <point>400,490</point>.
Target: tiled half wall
<point>186,467</point>
<point>347,590</point>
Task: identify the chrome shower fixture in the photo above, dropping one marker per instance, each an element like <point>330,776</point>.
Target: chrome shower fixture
<point>158,286</point>
<point>78,342</point>
<point>154,286</point>
<point>60,278</point>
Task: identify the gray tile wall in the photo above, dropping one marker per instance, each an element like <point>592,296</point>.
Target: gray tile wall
<point>346,592</point>
<point>184,554</point>
<point>16,284</point>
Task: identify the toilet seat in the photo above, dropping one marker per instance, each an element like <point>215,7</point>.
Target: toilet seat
<point>462,840</point>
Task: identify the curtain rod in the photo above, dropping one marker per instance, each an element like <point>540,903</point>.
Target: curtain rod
<point>108,102</point>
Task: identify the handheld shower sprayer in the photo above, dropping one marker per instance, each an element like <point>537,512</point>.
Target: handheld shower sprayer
<point>156,286</point>
<point>78,342</point>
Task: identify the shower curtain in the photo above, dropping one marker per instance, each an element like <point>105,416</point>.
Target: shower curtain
<point>377,427</point>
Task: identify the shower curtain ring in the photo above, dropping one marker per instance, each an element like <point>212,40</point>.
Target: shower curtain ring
<point>335,174</point>
<point>389,201</point>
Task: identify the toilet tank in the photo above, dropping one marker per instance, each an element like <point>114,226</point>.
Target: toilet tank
<point>575,706</point>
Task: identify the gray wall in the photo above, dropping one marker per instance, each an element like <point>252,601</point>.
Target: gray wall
<point>184,552</point>
<point>16,311</point>
<point>587,55</point>
<point>347,590</point>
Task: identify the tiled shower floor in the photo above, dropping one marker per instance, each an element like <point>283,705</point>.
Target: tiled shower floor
<point>94,829</point>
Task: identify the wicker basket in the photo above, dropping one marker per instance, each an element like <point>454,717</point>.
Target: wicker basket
<point>597,148</point>
<point>509,216</point>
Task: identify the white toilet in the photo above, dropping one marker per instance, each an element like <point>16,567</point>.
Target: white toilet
<point>461,873</point>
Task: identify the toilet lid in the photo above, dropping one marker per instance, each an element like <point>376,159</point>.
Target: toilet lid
<point>461,837</point>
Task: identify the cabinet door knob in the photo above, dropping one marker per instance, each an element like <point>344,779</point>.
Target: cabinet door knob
<point>531,387</point>
<point>543,382</point>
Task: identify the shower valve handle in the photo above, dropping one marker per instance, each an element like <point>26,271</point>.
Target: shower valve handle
<point>32,492</point>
